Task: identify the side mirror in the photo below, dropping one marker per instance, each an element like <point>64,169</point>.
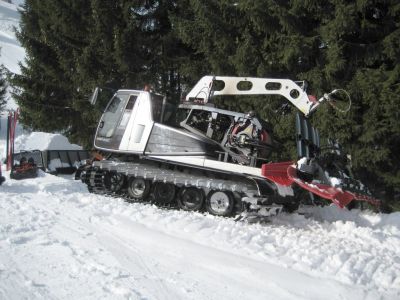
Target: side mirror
<point>93,97</point>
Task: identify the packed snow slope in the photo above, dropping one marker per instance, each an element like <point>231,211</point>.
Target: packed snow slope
<point>57,241</point>
<point>11,51</point>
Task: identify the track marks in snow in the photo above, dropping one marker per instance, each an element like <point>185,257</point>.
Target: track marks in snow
<point>76,244</point>
<point>353,254</point>
<point>341,250</point>
<point>36,236</point>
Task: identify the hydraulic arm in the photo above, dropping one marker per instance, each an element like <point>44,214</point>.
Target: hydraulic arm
<point>210,86</point>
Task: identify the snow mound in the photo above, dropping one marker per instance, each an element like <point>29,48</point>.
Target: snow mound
<point>43,141</point>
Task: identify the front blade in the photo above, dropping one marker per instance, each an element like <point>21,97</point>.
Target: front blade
<point>337,195</point>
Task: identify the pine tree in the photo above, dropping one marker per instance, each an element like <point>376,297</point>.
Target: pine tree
<point>73,46</point>
<point>44,90</point>
<point>362,56</point>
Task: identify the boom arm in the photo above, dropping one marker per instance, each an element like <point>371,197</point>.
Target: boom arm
<point>207,87</point>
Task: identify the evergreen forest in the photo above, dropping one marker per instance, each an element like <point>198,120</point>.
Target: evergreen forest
<point>73,46</point>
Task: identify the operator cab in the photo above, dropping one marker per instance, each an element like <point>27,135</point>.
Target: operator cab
<point>141,122</point>
<point>128,119</point>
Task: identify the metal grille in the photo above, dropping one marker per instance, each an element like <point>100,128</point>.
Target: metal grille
<point>65,161</point>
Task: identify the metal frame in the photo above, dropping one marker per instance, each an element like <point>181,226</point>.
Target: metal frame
<point>205,89</point>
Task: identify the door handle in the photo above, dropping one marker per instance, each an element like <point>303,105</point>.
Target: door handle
<point>101,124</point>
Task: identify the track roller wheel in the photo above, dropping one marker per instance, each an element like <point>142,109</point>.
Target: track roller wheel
<point>113,181</point>
<point>220,203</point>
<point>164,194</point>
<point>191,199</point>
<point>138,188</point>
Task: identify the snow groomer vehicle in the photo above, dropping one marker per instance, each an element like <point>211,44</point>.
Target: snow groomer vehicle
<point>198,157</point>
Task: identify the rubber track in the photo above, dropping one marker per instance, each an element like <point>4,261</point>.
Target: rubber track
<point>94,179</point>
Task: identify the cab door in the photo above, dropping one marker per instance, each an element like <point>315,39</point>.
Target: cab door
<point>140,127</point>
<point>114,121</point>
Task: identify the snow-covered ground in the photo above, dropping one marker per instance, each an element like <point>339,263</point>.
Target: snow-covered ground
<point>57,241</point>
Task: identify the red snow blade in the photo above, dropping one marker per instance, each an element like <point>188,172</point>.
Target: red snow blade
<point>277,172</point>
<point>336,195</point>
<point>285,173</point>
